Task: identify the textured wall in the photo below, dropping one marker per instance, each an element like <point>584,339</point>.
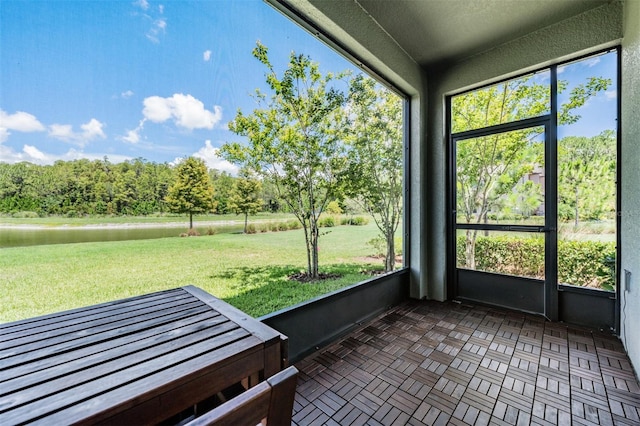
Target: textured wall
<point>590,31</point>
<point>630,226</point>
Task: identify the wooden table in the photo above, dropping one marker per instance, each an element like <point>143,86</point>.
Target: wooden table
<point>133,361</point>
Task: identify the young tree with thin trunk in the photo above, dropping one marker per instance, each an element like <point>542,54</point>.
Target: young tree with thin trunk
<point>376,164</point>
<point>294,139</point>
<point>245,196</point>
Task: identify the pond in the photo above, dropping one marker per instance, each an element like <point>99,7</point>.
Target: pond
<point>28,236</point>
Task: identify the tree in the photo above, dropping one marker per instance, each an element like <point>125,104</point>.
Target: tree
<point>586,177</point>
<point>294,139</point>
<point>223,184</point>
<point>192,191</point>
<point>245,196</point>
<point>270,197</point>
<point>376,157</point>
<point>489,167</point>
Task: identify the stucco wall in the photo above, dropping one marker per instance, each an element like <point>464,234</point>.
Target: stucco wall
<point>630,220</point>
<point>590,31</point>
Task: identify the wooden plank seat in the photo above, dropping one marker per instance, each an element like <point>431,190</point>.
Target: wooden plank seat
<point>269,402</point>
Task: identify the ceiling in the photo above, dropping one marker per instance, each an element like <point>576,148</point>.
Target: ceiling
<point>437,31</point>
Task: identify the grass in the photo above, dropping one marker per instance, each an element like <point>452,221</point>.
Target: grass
<point>248,271</point>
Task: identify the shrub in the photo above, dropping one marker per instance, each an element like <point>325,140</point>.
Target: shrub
<point>193,232</point>
<point>379,245</point>
<point>211,230</point>
<point>584,263</point>
<point>263,227</point>
<point>360,221</point>
<point>354,220</point>
<point>397,242</point>
<point>294,224</point>
<point>273,227</point>
<point>333,208</point>
<point>251,228</point>
<point>25,215</point>
<point>283,226</point>
<point>327,222</point>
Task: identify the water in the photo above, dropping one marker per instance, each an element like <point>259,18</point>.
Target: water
<point>17,237</point>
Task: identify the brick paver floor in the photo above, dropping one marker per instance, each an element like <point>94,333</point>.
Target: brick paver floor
<point>446,363</point>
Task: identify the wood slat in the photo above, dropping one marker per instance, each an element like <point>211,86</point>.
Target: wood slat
<point>62,357</point>
<point>88,369</point>
<point>120,387</point>
<point>78,313</point>
<point>34,352</point>
<point>84,330</point>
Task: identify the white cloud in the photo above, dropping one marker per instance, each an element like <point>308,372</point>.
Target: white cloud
<point>34,155</point>
<point>591,62</point>
<point>159,27</point>
<point>206,55</point>
<point>185,111</point>
<point>133,136</point>
<point>151,14</point>
<point>34,152</point>
<point>611,94</point>
<point>20,121</point>
<point>90,131</point>
<point>4,134</point>
<point>61,131</point>
<point>210,156</point>
<point>127,94</point>
<point>143,4</point>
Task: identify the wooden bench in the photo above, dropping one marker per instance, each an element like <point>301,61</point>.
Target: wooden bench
<point>269,402</point>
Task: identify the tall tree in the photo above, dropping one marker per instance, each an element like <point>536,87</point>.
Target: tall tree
<point>245,196</point>
<point>295,140</point>
<point>192,191</point>
<point>586,177</point>
<point>376,157</point>
<point>223,184</point>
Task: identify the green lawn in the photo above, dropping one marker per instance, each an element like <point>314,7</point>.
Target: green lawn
<point>248,271</point>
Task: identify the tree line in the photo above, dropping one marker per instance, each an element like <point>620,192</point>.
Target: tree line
<point>135,187</point>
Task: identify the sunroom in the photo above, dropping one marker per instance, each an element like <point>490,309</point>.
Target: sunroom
<point>436,53</point>
<point>453,337</point>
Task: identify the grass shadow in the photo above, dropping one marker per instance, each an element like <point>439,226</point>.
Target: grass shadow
<point>264,289</point>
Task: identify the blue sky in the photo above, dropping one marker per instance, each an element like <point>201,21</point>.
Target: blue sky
<point>124,79</point>
<point>599,112</point>
<point>158,79</point>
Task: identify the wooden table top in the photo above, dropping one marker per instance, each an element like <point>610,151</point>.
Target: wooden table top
<point>136,360</point>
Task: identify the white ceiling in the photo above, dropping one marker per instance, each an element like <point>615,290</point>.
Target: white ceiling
<point>435,31</point>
